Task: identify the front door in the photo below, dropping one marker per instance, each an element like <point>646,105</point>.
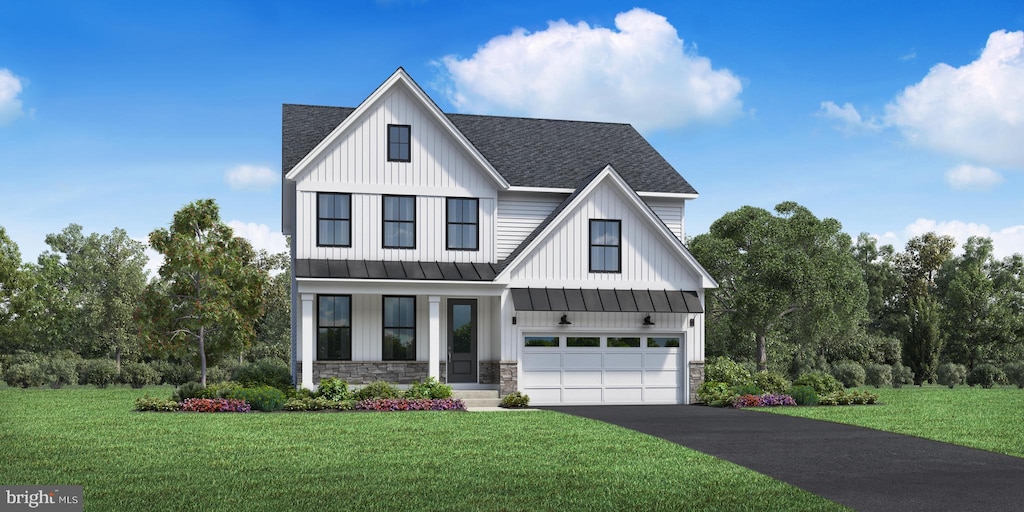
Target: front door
<point>462,340</point>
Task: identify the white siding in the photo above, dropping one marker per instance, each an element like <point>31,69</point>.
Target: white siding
<point>518,215</point>
<point>582,322</point>
<point>670,212</point>
<point>563,257</point>
<point>367,232</point>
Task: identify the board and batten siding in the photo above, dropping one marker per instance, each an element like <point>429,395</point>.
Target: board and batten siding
<point>563,256</point>
<point>518,216</point>
<point>670,212</point>
<point>368,232</point>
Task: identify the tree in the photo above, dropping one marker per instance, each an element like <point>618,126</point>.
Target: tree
<point>972,321</point>
<point>919,265</point>
<point>208,294</point>
<point>792,270</point>
<point>884,283</point>
<point>922,343</point>
<point>13,285</point>
<point>273,329</point>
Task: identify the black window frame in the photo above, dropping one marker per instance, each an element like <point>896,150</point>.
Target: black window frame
<point>320,327</point>
<point>385,222</point>
<point>448,223</point>
<point>385,327</point>
<point>393,145</point>
<point>320,219</point>
<point>591,245</point>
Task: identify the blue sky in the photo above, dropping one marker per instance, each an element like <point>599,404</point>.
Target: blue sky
<point>894,117</point>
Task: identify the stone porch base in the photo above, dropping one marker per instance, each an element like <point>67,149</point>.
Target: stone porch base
<point>696,379</point>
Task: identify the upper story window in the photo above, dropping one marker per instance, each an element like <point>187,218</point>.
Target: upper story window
<point>398,142</point>
<point>463,224</point>
<point>399,222</point>
<point>334,327</point>
<point>605,246</point>
<point>334,220</point>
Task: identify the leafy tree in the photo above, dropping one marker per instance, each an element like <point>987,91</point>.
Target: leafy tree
<point>973,321</point>
<point>13,285</point>
<point>209,293</point>
<point>922,343</point>
<point>273,329</point>
<point>919,265</point>
<point>791,270</point>
<point>883,280</point>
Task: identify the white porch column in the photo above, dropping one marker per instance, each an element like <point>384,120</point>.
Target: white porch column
<point>434,346</point>
<point>307,339</point>
<point>509,337</point>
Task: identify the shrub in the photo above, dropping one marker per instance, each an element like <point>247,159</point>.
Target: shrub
<point>850,373</point>
<point>852,398</point>
<point>219,390</point>
<point>771,382</point>
<point>334,389</point>
<point>318,404</point>
<point>951,374</point>
<point>429,388</point>
<point>901,375</point>
<point>714,393</point>
<point>378,389</point>
<point>984,375</point>
<point>24,375</point>
<point>804,395</point>
<point>515,400</point>
<point>409,404</point>
<point>877,375</point>
<point>148,403</point>
<point>265,372</point>
<point>188,390</point>
<point>175,373</point>
<point>746,389</point>
<point>1014,374</point>
<point>822,383</point>
<point>215,374</point>
<point>138,375</point>
<point>262,398</point>
<point>807,361</point>
<point>215,405</point>
<point>99,372</point>
<point>723,369</point>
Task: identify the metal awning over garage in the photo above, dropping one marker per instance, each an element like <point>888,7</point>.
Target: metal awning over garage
<point>606,301</point>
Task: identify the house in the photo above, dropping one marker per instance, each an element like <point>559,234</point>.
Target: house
<point>489,252</point>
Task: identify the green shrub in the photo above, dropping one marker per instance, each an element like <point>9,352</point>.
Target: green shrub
<point>429,388</point>
<point>822,383</point>
<point>746,389</point>
<point>852,398</point>
<point>984,375</point>
<point>378,389</point>
<point>771,382</point>
<point>515,400</point>
<point>951,374</point>
<point>215,374</point>
<point>188,390</point>
<point>807,361</point>
<point>294,392</point>
<point>723,369</point>
<point>148,403</point>
<point>1014,374</point>
<point>310,403</point>
<point>334,389</point>
<point>901,375</point>
<point>219,390</point>
<point>265,372</point>
<point>138,375</point>
<point>98,372</point>
<point>850,373</point>
<point>714,393</point>
<point>24,374</point>
<point>877,375</point>
<point>175,373</point>
<point>262,398</point>
<point>804,395</point>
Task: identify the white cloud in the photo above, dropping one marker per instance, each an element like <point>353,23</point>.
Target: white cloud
<point>909,56</point>
<point>640,73</point>
<point>849,119</point>
<point>974,111</point>
<point>250,177</point>
<point>971,177</point>
<point>10,88</point>
<point>1005,241</point>
<point>887,238</point>
<point>260,236</point>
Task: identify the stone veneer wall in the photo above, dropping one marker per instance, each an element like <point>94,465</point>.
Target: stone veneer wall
<point>696,379</point>
<point>508,377</point>
<point>488,372</point>
<point>365,372</point>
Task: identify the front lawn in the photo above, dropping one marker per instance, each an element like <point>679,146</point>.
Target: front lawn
<point>128,460</point>
<point>989,419</point>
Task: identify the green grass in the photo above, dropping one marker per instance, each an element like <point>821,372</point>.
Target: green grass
<point>989,419</point>
<point>127,460</point>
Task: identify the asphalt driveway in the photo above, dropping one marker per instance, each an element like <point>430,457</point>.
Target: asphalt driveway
<point>861,468</point>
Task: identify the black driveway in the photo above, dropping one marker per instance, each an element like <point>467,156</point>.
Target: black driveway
<point>858,467</point>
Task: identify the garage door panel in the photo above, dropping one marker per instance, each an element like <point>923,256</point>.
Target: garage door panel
<point>582,395</point>
<point>590,360</point>
<point>622,378</point>
<point>544,396</point>
<point>660,378</point>
<point>543,378</point>
<point>623,395</point>
<point>662,395</point>
<point>615,359</point>
<point>542,360</point>
<point>660,360</point>
<point>582,378</point>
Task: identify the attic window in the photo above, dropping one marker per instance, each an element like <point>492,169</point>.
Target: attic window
<point>605,246</point>
<point>398,142</point>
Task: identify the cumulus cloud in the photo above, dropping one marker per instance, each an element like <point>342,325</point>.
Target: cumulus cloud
<point>260,236</point>
<point>974,111</point>
<point>250,177</point>
<point>970,177</point>
<point>10,88</point>
<point>849,118</point>
<point>1005,241</point>
<point>640,73</point>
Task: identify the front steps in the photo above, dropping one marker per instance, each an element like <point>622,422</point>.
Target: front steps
<point>477,398</point>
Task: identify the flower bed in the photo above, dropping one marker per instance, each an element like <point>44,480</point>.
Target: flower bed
<point>215,405</point>
<point>410,404</point>
<point>766,400</point>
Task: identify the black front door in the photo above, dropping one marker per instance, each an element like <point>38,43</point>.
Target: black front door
<point>462,340</point>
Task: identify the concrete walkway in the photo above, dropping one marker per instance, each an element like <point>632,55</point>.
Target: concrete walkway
<point>864,469</point>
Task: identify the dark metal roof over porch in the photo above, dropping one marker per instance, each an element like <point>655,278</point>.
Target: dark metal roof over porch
<point>607,301</point>
<point>412,270</point>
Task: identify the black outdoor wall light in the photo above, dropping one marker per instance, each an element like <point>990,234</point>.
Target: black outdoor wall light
<point>648,321</point>
<point>564,320</point>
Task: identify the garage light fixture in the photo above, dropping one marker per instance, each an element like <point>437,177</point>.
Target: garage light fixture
<point>648,321</point>
<point>564,320</point>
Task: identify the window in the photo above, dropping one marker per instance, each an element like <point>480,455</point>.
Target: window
<point>463,224</point>
<point>572,341</point>
<point>541,341</point>
<point>605,246</point>
<point>623,342</point>
<point>399,222</point>
<point>663,342</point>
<point>334,327</point>
<point>398,143</point>
<point>334,220</point>
<point>399,328</point>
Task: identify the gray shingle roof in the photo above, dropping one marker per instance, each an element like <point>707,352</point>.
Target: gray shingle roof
<point>526,152</point>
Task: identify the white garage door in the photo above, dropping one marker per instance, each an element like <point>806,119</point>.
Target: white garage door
<point>591,369</point>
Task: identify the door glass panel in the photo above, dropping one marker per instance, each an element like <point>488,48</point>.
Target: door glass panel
<point>462,328</point>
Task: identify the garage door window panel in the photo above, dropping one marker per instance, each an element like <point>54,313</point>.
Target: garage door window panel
<point>663,342</point>
<point>583,341</point>
<point>541,341</point>
<point>623,342</point>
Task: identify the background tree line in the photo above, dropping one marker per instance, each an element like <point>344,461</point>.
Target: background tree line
<point>214,300</point>
<point>797,294</point>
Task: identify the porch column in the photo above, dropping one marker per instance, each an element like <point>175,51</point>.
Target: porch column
<point>434,346</point>
<point>307,339</point>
